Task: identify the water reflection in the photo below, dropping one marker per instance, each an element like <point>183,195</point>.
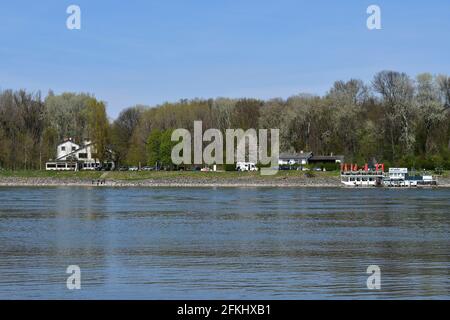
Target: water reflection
<point>223,243</point>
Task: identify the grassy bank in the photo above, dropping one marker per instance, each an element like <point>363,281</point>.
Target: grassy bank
<point>162,175</point>
<point>177,179</point>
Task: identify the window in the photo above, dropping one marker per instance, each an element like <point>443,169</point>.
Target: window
<point>63,148</point>
<point>82,155</point>
<point>74,148</point>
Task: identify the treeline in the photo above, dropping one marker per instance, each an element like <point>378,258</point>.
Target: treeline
<point>31,128</point>
<point>394,119</point>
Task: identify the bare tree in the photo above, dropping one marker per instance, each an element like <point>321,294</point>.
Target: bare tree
<point>397,92</point>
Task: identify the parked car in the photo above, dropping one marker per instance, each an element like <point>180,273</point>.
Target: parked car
<point>148,168</point>
<point>123,168</point>
<point>317,169</point>
<point>133,169</point>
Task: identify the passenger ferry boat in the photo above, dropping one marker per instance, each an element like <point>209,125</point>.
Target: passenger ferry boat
<point>352,176</point>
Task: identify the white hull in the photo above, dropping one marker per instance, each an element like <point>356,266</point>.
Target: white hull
<point>396,178</point>
<point>359,183</point>
<point>387,183</point>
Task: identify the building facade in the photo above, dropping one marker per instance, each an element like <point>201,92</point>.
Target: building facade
<point>305,158</point>
<point>72,157</point>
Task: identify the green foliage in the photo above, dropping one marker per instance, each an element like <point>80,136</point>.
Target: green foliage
<point>49,143</point>
<point>395,120</point>
<point>153,147</point>
<point>122,131</point>
<point>230,167</point>
<point>67,114</point>
<point>159,148</point>
<point>246,113</point>
<point>165,148</point>
<point>331,166</point>
<point>98,128</point>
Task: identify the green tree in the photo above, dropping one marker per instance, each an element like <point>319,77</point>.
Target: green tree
<point>153,147</point>
<point>122,131</point>
<point>67,114</point>
<point>98,128</point>
<point>165,148</point>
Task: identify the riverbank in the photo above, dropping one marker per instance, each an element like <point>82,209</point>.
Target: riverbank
<point>176,179</point>
<point>169,179</point>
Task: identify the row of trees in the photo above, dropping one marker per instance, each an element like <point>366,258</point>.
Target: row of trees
<point>31,128</point>
<point>395,119</point>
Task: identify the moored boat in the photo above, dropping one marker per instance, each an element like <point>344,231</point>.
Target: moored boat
<point>354,176</point>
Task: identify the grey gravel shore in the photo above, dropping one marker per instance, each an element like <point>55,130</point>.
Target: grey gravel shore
<point>172,182</point>
<point>183,182</point>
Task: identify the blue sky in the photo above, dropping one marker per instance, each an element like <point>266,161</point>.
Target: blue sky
<point>149,52</point>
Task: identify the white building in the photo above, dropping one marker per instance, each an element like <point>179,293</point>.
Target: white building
<point>71,156</point>
<point>293,159</point>
<point>398,173</point>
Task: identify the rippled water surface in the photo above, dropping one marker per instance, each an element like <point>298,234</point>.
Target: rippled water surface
<point>224,243</point>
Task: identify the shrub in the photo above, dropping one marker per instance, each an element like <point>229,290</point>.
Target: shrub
<point>331,166</point>
<point>230,167</point>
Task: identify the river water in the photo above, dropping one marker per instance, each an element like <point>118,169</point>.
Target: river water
<point>224,243</point>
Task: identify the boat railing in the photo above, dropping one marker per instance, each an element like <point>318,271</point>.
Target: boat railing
<point>362,172</point>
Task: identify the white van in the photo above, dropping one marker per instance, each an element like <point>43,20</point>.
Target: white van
<point>246,166</point>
